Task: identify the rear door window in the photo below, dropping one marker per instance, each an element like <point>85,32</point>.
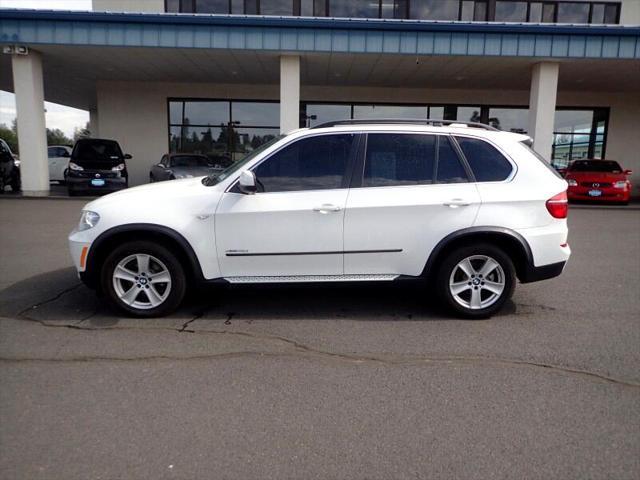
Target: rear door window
<point>399,159</point>
<point>486,162</point>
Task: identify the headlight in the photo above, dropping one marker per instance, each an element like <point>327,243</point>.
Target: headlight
<point>118,168</point>
<point>88,220</point>
<point>16,162</point>
<point>620,184</point>
<point>74,166</point>
<point>572,182</point>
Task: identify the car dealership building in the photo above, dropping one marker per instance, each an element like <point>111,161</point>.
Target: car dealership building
<point>221,77</point>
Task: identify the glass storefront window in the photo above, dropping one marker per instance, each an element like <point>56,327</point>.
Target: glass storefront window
<point>175,112</point>
<point>223,130</point>
<point>509,119</point>
<point>212,6</point>
<point>206,113</point>
<point>469,114</point>
<point>434,9</point>
<point>573,121</point>
<point>276,7</point>
<point>511,11</point>
<point>389,111</point>
<point>255,114</point>
<point>353,8</point>
<point>393,8</point>
<point>326,113</point>
<point>573,12</point>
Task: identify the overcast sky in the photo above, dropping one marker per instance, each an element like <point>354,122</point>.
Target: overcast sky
<point>58,116</point>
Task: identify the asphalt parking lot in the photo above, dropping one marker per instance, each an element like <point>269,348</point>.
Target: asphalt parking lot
<point>363,382</point>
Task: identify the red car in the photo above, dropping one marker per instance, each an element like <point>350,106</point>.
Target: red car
<point>599,180</point>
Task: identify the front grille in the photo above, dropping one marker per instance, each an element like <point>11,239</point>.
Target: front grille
<point>595,184</point>
<point>93,173</point>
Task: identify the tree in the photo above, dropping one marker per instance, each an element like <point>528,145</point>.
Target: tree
<point>81,132</point>
<point>10,135</point>
<point>57,137</point>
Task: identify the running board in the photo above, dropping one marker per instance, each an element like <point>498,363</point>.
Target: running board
<point>314,278</point>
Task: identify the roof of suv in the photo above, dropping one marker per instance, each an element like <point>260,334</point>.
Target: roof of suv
<point>430,126</point>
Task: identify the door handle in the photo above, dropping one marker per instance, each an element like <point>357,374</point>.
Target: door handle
<point>457,202</point>
<point>327,208</point>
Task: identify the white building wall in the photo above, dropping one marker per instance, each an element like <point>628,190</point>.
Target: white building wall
<point>140,6</point>
<point>135,113</point>
<point>630,12</point>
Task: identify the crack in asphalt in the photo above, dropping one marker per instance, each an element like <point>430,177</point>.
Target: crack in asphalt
<point>303,350</point>
<point>49,300</point>
<point>300,349</point>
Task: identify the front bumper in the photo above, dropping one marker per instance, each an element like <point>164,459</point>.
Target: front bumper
<point>607,194</point>
<point>102,183</point>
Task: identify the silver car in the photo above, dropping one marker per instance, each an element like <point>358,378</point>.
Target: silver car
<point>182,165</point>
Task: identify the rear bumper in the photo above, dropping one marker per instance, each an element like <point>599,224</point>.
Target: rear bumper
<point>544,272</point>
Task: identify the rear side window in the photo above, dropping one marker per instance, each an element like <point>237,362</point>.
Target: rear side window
<point>399,159</point>
<point>315,163</point>
<point>486,162</point>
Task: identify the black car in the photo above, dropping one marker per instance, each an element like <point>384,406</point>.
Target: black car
<point>96,165</point>
<point>9,169</point>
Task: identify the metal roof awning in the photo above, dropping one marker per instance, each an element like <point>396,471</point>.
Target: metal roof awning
<point>319,35</point>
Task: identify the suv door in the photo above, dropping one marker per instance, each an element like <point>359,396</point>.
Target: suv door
<point>293,225</point>
<point>412,191</point>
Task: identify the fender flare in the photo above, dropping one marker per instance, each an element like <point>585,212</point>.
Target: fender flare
<point>89,276</point>
<point>473,231</point>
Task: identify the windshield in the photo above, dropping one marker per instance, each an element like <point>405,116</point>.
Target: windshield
<point>97,150</point>
<point>189,161</point>
<point>218,177</point>
<point>595,166</point>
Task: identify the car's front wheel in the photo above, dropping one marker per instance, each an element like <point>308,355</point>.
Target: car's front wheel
<point>143,279</point>
<point>475,281</point>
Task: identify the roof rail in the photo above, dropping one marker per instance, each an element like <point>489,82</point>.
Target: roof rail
<point>405,121</point>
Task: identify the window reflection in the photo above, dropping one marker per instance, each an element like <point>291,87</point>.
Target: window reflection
<point>353,8</point>
<point>212,6</point>
<point>510,119</point>
<point>573,12</point>
<point>434,9</point>
<point>207,127</point>
<point>276,7</point>
<point>389,111</point>
<point>318,114</point>
<point>509,11</point>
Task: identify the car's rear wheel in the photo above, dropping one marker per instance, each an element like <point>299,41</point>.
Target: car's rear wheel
<point>475,281</point>
<point>143,279</point>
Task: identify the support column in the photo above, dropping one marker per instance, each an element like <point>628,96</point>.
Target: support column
<point>32,136</point>
<point>289,93</point>
<point>542,106</point>
<point>94,126</point>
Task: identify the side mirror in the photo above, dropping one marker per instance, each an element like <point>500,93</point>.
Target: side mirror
<point>127,156</point>
<point>628,172</point>
<point>247,182</point>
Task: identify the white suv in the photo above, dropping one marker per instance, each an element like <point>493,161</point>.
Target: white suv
<point>464,207</point>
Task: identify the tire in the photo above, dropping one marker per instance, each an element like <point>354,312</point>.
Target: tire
<point>475,299</point>
<point>151,179</point>
<point>149,301</point>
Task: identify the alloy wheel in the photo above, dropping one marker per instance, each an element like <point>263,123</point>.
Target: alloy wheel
<point>477,282</point>
<point>141,281</point>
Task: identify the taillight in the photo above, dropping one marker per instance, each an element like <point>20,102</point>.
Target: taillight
<point>558,205</point>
